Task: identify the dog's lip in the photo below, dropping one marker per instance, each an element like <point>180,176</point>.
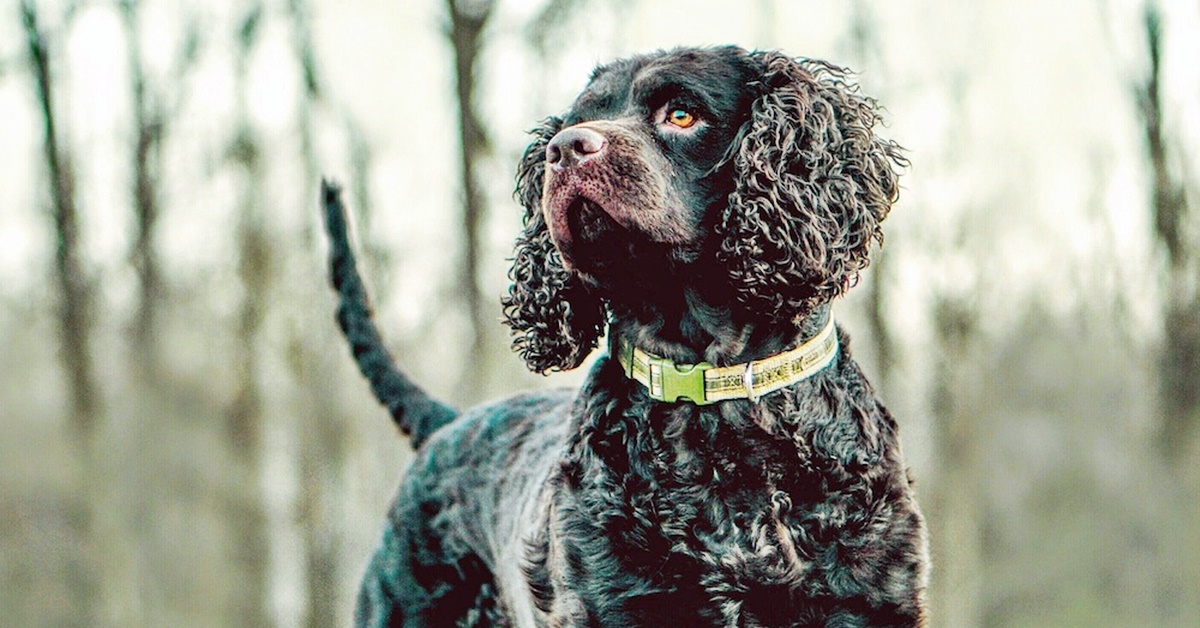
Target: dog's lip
<point>567,192</point>
<point>557,212</point>
<point>572,215</point>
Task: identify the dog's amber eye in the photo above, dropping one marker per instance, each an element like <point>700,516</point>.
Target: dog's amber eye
<point>681,118</point>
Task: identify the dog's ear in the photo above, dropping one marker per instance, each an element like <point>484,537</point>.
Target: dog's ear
<point>812,184</point>
<point>555,318</point>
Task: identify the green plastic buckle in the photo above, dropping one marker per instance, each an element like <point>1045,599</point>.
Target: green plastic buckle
<point>679,380</point>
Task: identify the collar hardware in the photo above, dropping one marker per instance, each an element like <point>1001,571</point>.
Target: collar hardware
<point>748,383</point>
<point>704,383</point>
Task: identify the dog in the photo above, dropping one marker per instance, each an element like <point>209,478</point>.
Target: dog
<point>725,462</point>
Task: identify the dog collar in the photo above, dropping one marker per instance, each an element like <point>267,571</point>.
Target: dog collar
<point>704,383</point>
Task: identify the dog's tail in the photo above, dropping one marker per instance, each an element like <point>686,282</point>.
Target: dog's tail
<point>415,413</point>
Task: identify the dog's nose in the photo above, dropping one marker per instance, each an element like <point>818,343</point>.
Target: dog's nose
<point>574,146</point>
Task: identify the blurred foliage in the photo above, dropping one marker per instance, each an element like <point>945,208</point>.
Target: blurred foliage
<point>1017,325</point>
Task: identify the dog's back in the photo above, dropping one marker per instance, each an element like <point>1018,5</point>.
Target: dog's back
<point>463,514</point>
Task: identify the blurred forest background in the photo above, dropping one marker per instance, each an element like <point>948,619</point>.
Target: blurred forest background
<point>184,440</point>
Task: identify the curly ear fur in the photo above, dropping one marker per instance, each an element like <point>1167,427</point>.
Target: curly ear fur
<point>557,321</point>
<point>812,185</point>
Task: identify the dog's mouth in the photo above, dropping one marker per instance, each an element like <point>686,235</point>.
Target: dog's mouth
<point>583,231</point>
<point>588,222</point>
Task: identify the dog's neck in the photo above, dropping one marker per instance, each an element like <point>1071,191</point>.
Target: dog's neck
<point>691,330</point>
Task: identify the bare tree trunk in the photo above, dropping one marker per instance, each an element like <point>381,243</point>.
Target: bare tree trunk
<point>322,458</point>
<point>245,506</point>
<point>877,317</point>
<point>310,94</point>
<point>74,315</point>
<point>322,429</point>
<point>1179,365</point>
<point>467,21</point>
<point>247,516</point>
<point>1179,362</point>
<point>148,129</point>
<point>864,45</point>
<point>956,524</point>
<point>361,158</point>
<point>74,331</point>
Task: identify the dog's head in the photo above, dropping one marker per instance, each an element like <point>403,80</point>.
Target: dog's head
<point>750,177</point>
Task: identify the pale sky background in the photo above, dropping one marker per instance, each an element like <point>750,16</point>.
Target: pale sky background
<point>1017,113</point>
<point>1044,135</point>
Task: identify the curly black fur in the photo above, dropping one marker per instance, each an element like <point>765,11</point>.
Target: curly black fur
<point>704,204</point>
<point>813,185</point>
<point>558,319</point>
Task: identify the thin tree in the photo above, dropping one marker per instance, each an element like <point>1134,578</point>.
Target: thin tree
<point>154,108</point>
<point>953,503</point>
<point>244,504</point>
<point>866,49</point>
<point>147,123</point>
<point>468,18</point>
<point>1179,364</point>
<point>322,428</point>
<point>75,290</point>
<point>1179,360</point>
<point>74,325</point>
<point>955,510</point>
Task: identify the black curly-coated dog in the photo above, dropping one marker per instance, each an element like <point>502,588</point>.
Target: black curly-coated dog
<point>726,463</point>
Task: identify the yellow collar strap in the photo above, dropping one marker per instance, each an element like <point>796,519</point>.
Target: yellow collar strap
<point>704,383</point>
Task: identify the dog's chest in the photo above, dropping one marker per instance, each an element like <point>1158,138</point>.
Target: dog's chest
<point>679,532</point>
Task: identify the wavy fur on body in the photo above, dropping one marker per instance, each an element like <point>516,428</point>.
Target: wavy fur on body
<point>707,204</point>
